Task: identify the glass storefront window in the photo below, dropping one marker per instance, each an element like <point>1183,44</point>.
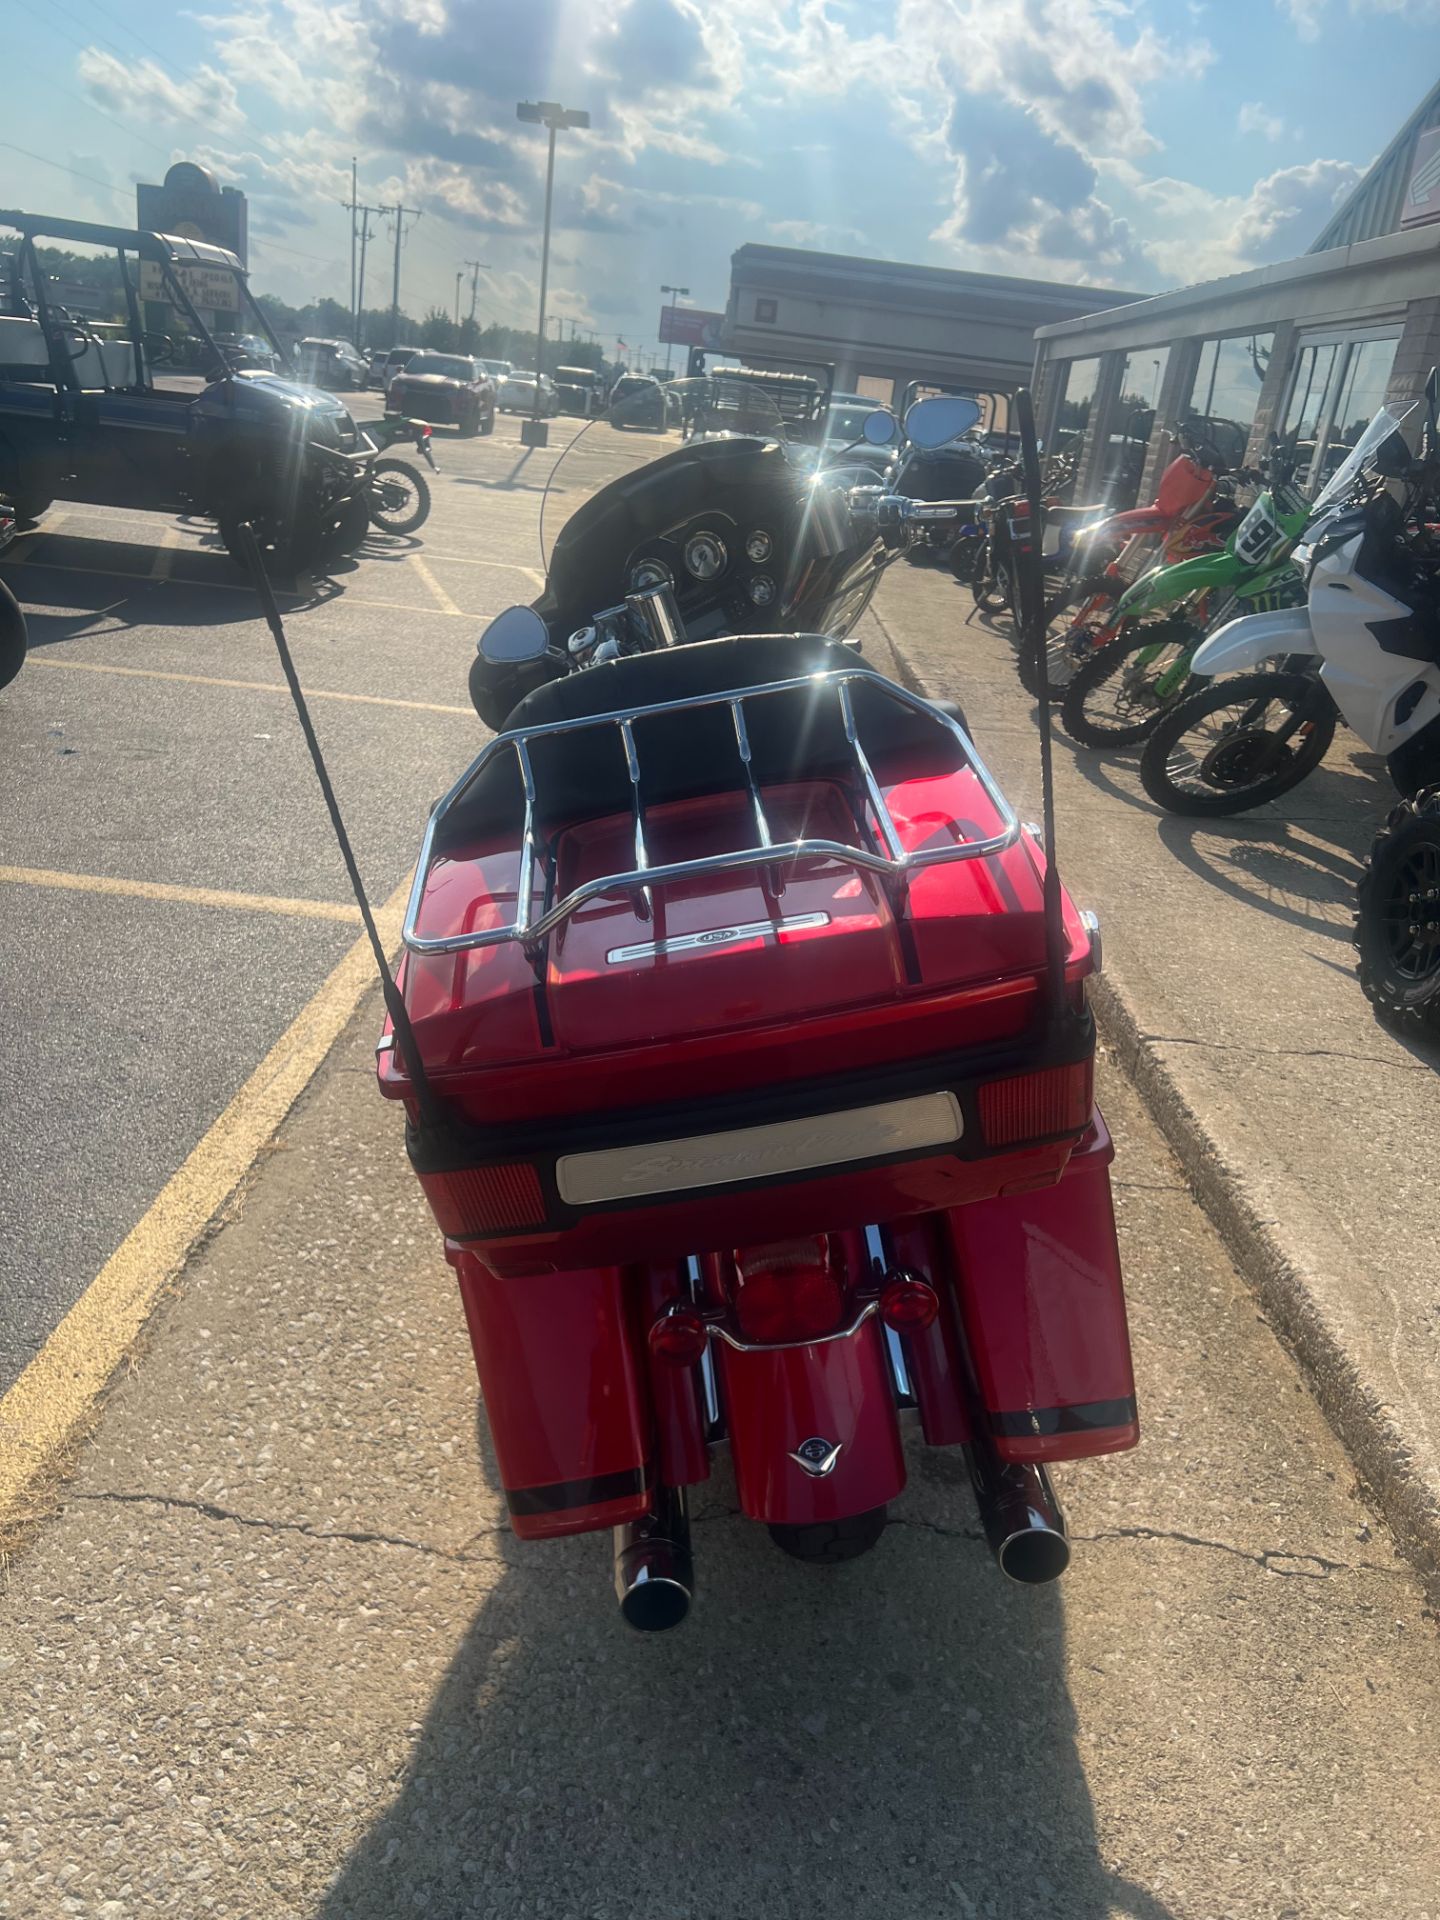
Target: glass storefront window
<point>1227,389</point>
<point>1339,383</point>
<point>1077,396</point>
<point>1131,425</point>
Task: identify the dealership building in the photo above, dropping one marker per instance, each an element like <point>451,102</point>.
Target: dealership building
<point>882,326</point>
<point>1308,347</point>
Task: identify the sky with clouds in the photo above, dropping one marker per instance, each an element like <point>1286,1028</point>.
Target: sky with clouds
<point>1135,144</point>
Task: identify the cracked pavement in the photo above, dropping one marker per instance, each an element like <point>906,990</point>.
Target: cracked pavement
<point>1308,1128</point>
<point>278,1655</point>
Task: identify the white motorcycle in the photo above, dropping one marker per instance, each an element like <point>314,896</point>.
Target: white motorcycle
<point>1365,647</point>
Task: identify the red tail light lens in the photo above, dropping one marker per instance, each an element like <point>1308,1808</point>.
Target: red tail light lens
<point>787,1291</point>
<point>480,1200</point>
<point>1034,1105</point>
<point>678,1338</point>
<point>908,1305</point>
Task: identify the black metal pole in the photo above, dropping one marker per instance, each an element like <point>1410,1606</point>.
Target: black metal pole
<point>544,272</point>
<point>405,1040</point>
<point>1030,576</point>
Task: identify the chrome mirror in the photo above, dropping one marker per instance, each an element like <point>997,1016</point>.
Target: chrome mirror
<point>940,419</point>
<point>880,428</point>
<point>516,635</point>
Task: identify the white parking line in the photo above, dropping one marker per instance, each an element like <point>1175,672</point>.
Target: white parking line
<point>246,686</point>
<point>166,547</point>
<point>442,599</point>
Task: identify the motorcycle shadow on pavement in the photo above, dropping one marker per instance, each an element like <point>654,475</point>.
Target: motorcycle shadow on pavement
<point>892,1739</point>
<point>1272,868</point>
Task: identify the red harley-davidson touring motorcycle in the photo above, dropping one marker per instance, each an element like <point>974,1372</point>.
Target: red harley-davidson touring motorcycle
<point>742,1042</point>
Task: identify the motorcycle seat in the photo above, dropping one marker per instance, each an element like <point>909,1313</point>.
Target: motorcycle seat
<point>794,736</point>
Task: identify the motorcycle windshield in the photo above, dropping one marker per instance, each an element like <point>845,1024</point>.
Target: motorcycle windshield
<point>711,488</point>
<point>1343,479</point>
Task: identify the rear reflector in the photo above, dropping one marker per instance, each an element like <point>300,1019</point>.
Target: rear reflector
<point>679,1337</point>
<point>908,1305</point>
<point>478,1200</point>
<point>1033,1106</point>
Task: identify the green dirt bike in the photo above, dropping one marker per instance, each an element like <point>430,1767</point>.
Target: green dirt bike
<point>1119,694</point>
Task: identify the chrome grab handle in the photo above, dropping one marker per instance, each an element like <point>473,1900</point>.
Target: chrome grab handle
<point>888,857</point>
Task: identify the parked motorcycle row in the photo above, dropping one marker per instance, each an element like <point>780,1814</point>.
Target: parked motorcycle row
<point>1228,642</point>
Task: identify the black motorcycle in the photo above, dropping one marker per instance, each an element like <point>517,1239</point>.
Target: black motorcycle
<point>399,494</point>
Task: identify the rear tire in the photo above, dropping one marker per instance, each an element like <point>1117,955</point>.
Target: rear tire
<point>1226,790</point>
<point>487,425</point>
<point>829,1542</point>
<point>1399,971</point>
<point>401,518</point>
<point>346,530</point>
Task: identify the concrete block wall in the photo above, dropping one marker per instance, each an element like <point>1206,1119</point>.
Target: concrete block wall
<point>1418,350</point>
<point>1274,390</point>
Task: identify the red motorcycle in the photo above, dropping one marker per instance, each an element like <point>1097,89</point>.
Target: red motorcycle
<point>742,1041</point>
<point>1187,516</point>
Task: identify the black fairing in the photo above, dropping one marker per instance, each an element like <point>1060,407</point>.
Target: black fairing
<point>829,580</point>
<point>274,408</point>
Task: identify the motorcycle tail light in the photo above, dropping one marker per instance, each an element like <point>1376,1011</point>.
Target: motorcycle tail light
<point>1032,1106</point>
<point>679,1338</point>
<point>908,1305</point>
<point>787,1291</point>
<point>478,1200</point>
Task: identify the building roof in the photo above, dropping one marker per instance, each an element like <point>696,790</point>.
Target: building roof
<point>905,282</point>
<point>1374,206</point>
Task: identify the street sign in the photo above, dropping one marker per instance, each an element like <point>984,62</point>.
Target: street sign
<point>211,289</point>
<point>1422,194</point>
<point>690,327</point>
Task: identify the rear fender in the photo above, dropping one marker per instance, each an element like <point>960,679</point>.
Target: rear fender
<point>1167,586</point>
<point>1254,639</point>
<point>813,1429</point>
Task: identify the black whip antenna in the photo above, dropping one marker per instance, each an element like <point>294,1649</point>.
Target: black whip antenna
<point>395,1006</point>
<point>1030,575</point>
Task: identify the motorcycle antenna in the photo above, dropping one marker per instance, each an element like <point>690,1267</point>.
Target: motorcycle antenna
<point>405,1041</point>
<point>1031,583</point>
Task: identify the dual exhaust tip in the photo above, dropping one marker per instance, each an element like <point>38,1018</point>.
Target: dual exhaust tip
<point>655,1570</point>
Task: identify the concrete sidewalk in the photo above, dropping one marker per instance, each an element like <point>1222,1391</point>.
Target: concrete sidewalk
<point>1307,1130</point>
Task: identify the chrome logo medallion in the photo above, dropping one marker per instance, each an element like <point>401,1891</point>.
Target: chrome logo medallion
<point>817,1456</point>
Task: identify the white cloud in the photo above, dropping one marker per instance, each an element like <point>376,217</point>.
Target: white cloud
<point>1202,236</point>
<point>1253,117</point>
<point>146,91</point>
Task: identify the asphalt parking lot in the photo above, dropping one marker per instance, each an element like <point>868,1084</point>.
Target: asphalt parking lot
<point>172,896</point>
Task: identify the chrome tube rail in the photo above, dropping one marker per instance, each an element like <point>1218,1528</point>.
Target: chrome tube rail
<point>887,856</point>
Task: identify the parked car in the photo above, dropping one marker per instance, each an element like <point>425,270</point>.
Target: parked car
<point>82,417</point>
<point>579,390</point>
<point>333,364</point>
<point>251,350</point>
<point>638,401</point>
<point>498,370</point>
<point>517,394</point>
<point>386,362</point>
<point>446,389</point>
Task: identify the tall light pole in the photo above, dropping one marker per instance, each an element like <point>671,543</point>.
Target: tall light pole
<point>550,114</point>
<point>678,293</point>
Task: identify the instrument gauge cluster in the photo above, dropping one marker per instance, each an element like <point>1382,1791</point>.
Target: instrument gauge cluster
<point>759,546</point>
<point>705,556</point>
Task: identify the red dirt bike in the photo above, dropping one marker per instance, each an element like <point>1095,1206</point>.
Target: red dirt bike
<point>1188,515</point>
<point>742,1041</point>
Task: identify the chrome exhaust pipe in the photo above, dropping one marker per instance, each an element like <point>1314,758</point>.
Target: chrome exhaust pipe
<point>654,1573</point>
<point>1021,1516</point>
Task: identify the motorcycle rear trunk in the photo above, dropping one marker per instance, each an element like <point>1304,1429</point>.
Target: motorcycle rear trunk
<point>775,1150</point>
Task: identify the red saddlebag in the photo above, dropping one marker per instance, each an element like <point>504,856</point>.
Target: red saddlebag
<point>1044,1312</point>
<point>563,1395</point>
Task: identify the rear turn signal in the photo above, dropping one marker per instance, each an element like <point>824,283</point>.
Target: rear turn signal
<point>1033,1106</point>
<point>473,1201</point>
<point>787,1291</point>
<point>679,1338</point>
<point>908,1305</point>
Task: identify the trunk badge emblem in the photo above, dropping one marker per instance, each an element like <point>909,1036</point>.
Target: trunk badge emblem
<point>817,1456</point>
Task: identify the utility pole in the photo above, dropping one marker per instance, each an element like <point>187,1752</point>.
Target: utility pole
<point>365,213</point>
<point>459,276</point>
<point>399,213</point>
<point>354,197</point>
<point>475,268</point>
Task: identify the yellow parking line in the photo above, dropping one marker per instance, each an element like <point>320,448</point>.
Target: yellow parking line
<point>442,599</point>
<point>143,579</point>
<point>185,896</point>
<point>246,686</point>
<point>50,1403</point>
<point>166,547</point>
<point>504,566</point>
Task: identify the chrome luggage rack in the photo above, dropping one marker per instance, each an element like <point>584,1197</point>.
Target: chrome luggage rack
<point>885,855</point>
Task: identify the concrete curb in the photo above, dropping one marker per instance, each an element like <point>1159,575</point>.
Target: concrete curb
<point>1275,1274</point>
